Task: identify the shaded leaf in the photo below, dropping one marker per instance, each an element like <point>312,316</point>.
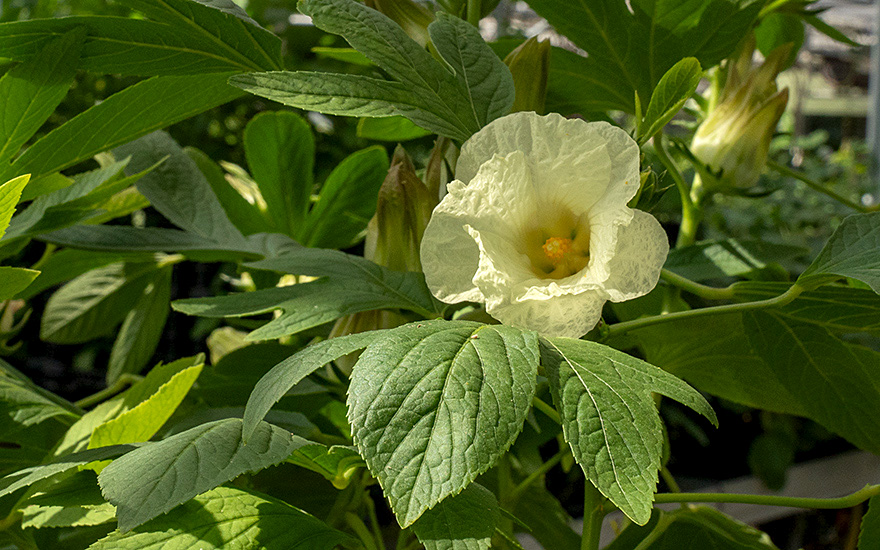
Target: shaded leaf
<point>672,91</point>
<point>853,250</point>
<point>73,502</point>
<point>727,258</point>
<point>465,521</point>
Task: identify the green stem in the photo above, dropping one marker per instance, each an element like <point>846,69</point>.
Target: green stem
<point>669,480</point>
<point>594,513</point>
<point>123,382</point>
<point>534,476</point>
<point>816,186</point>
<point>47,253</point>
<point>357,525</point>
<point>691,212</point>
<point>474,11</point>
<point>695,288</point>
<point>545,408</point>
<point>781,300</point>
<point>771,500</point>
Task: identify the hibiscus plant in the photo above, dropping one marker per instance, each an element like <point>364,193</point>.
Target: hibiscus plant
<point>506,279</point>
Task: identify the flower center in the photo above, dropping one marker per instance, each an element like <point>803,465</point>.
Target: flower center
<point>557,245</point>
<point>556,248</point>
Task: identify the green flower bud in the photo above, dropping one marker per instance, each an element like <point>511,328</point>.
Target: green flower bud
<point>529,64</point>
<point>402,213</point>
<point>734,139</point>
<point>412,16</point>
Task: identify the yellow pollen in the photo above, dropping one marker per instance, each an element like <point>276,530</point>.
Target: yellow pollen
<point>556,248</point>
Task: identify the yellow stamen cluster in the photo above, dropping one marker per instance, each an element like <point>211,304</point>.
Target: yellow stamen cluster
<point>556,248</point>
<point>557,245</point>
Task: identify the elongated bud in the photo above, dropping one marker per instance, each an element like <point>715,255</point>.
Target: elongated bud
<point>529,64</point>
<point>413,17</point>
<point>402,213</point>
<point>734,139</point>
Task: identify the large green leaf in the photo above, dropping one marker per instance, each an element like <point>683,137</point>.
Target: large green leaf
<point>869,536</point>
<point>157,477</point>
<point>852,251</point>
<point>286,374</point>
<point>142,328</point>
<point>465,521</point>
<point>177,188</point>
<point>280,152</point>
<point>143,420</point>
<point>610,420</point>
<point>307,305</point>
<point>10,193</point>
<point>29,476</point>
<point>14,280</point>
<point>227,518</point>
<point>770,361</point>
<point>93,304</point>
<point>632,50</point>
<point>136,111</point>
<point>693,528</point>
<point>163,385</point>
<point>455,99</point>
<point>546,519</point>
<point>73,502</point>
<point>23,402</point>
<point>221,22</point>
<point>347,200</point>
<point>433,405</point>
<point>33,89</point>
<point>727,258</point>
<point>337,463</point>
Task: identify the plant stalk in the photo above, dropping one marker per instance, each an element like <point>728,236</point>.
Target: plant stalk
<point>594,513</point>
<point>781,300</point>
<point>122,383</point>
<point>474,11</point>
<point>816,186</point>
<point>847,501</point>
<point>695,288</point>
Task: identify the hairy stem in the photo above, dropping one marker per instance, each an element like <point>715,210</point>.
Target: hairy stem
<point>695,288</point>
<point>691,212</point>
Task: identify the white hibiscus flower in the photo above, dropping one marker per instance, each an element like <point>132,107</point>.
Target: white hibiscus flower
<point>536,225</point>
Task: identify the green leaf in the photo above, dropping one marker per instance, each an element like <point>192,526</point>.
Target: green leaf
<point>286,374</point>
<point>546,519</point>
<point>869,536</point>
<point>347,200</point>
<point>14,280</point>
<point>23,402</point>
<point>244,215</point>
<point>693,528</point>
<point>229,518</point>
<point>610,420</point>
<point>73,502</point>
<point>455,100</point>
<point>143,420</point>
<point>346,55</point>
<point>826,29</point>
<point>33,89</point>
<point>837,384</point>
<point>122,45</point>
<point>307,305</point>
<point>142,328</point>
<point>155,478</point>
<point>231,378</point>
<point>393,128</point>
<point>10,193</point>
<point>163,384</point>
<point>435,404</point>
<point>121,239</point>
<point>136,111</point>
<point>727,258</point>
<point>337,463</point>
<point>177,188</point>
<point>852,251</point>
<point>67,264</point>
<point>93,304</point>
<point>30,476</point>
<point>674,89</point>
<point>632,50</point>
<point>220,22</point>
<point>778,29</point>
<point>465,521</point>
<point>280,152</point>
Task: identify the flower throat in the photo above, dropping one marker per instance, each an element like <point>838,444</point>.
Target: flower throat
<point>557,245</point>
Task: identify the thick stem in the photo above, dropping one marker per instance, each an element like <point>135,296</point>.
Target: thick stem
<point>546,409</point>
<point>816,186</point>
<point>691,212</point>
<point>847,501</point>
<point>538,473</point>
<point>123,382</point>
<point>695,288</point>
<point>781,300</point>
<point>474,11</point>
<point>594,513</point>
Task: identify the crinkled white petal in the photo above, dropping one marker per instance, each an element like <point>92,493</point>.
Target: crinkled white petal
<point>569,315</point>
<point>499,198</point>
<point>642,247</point>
